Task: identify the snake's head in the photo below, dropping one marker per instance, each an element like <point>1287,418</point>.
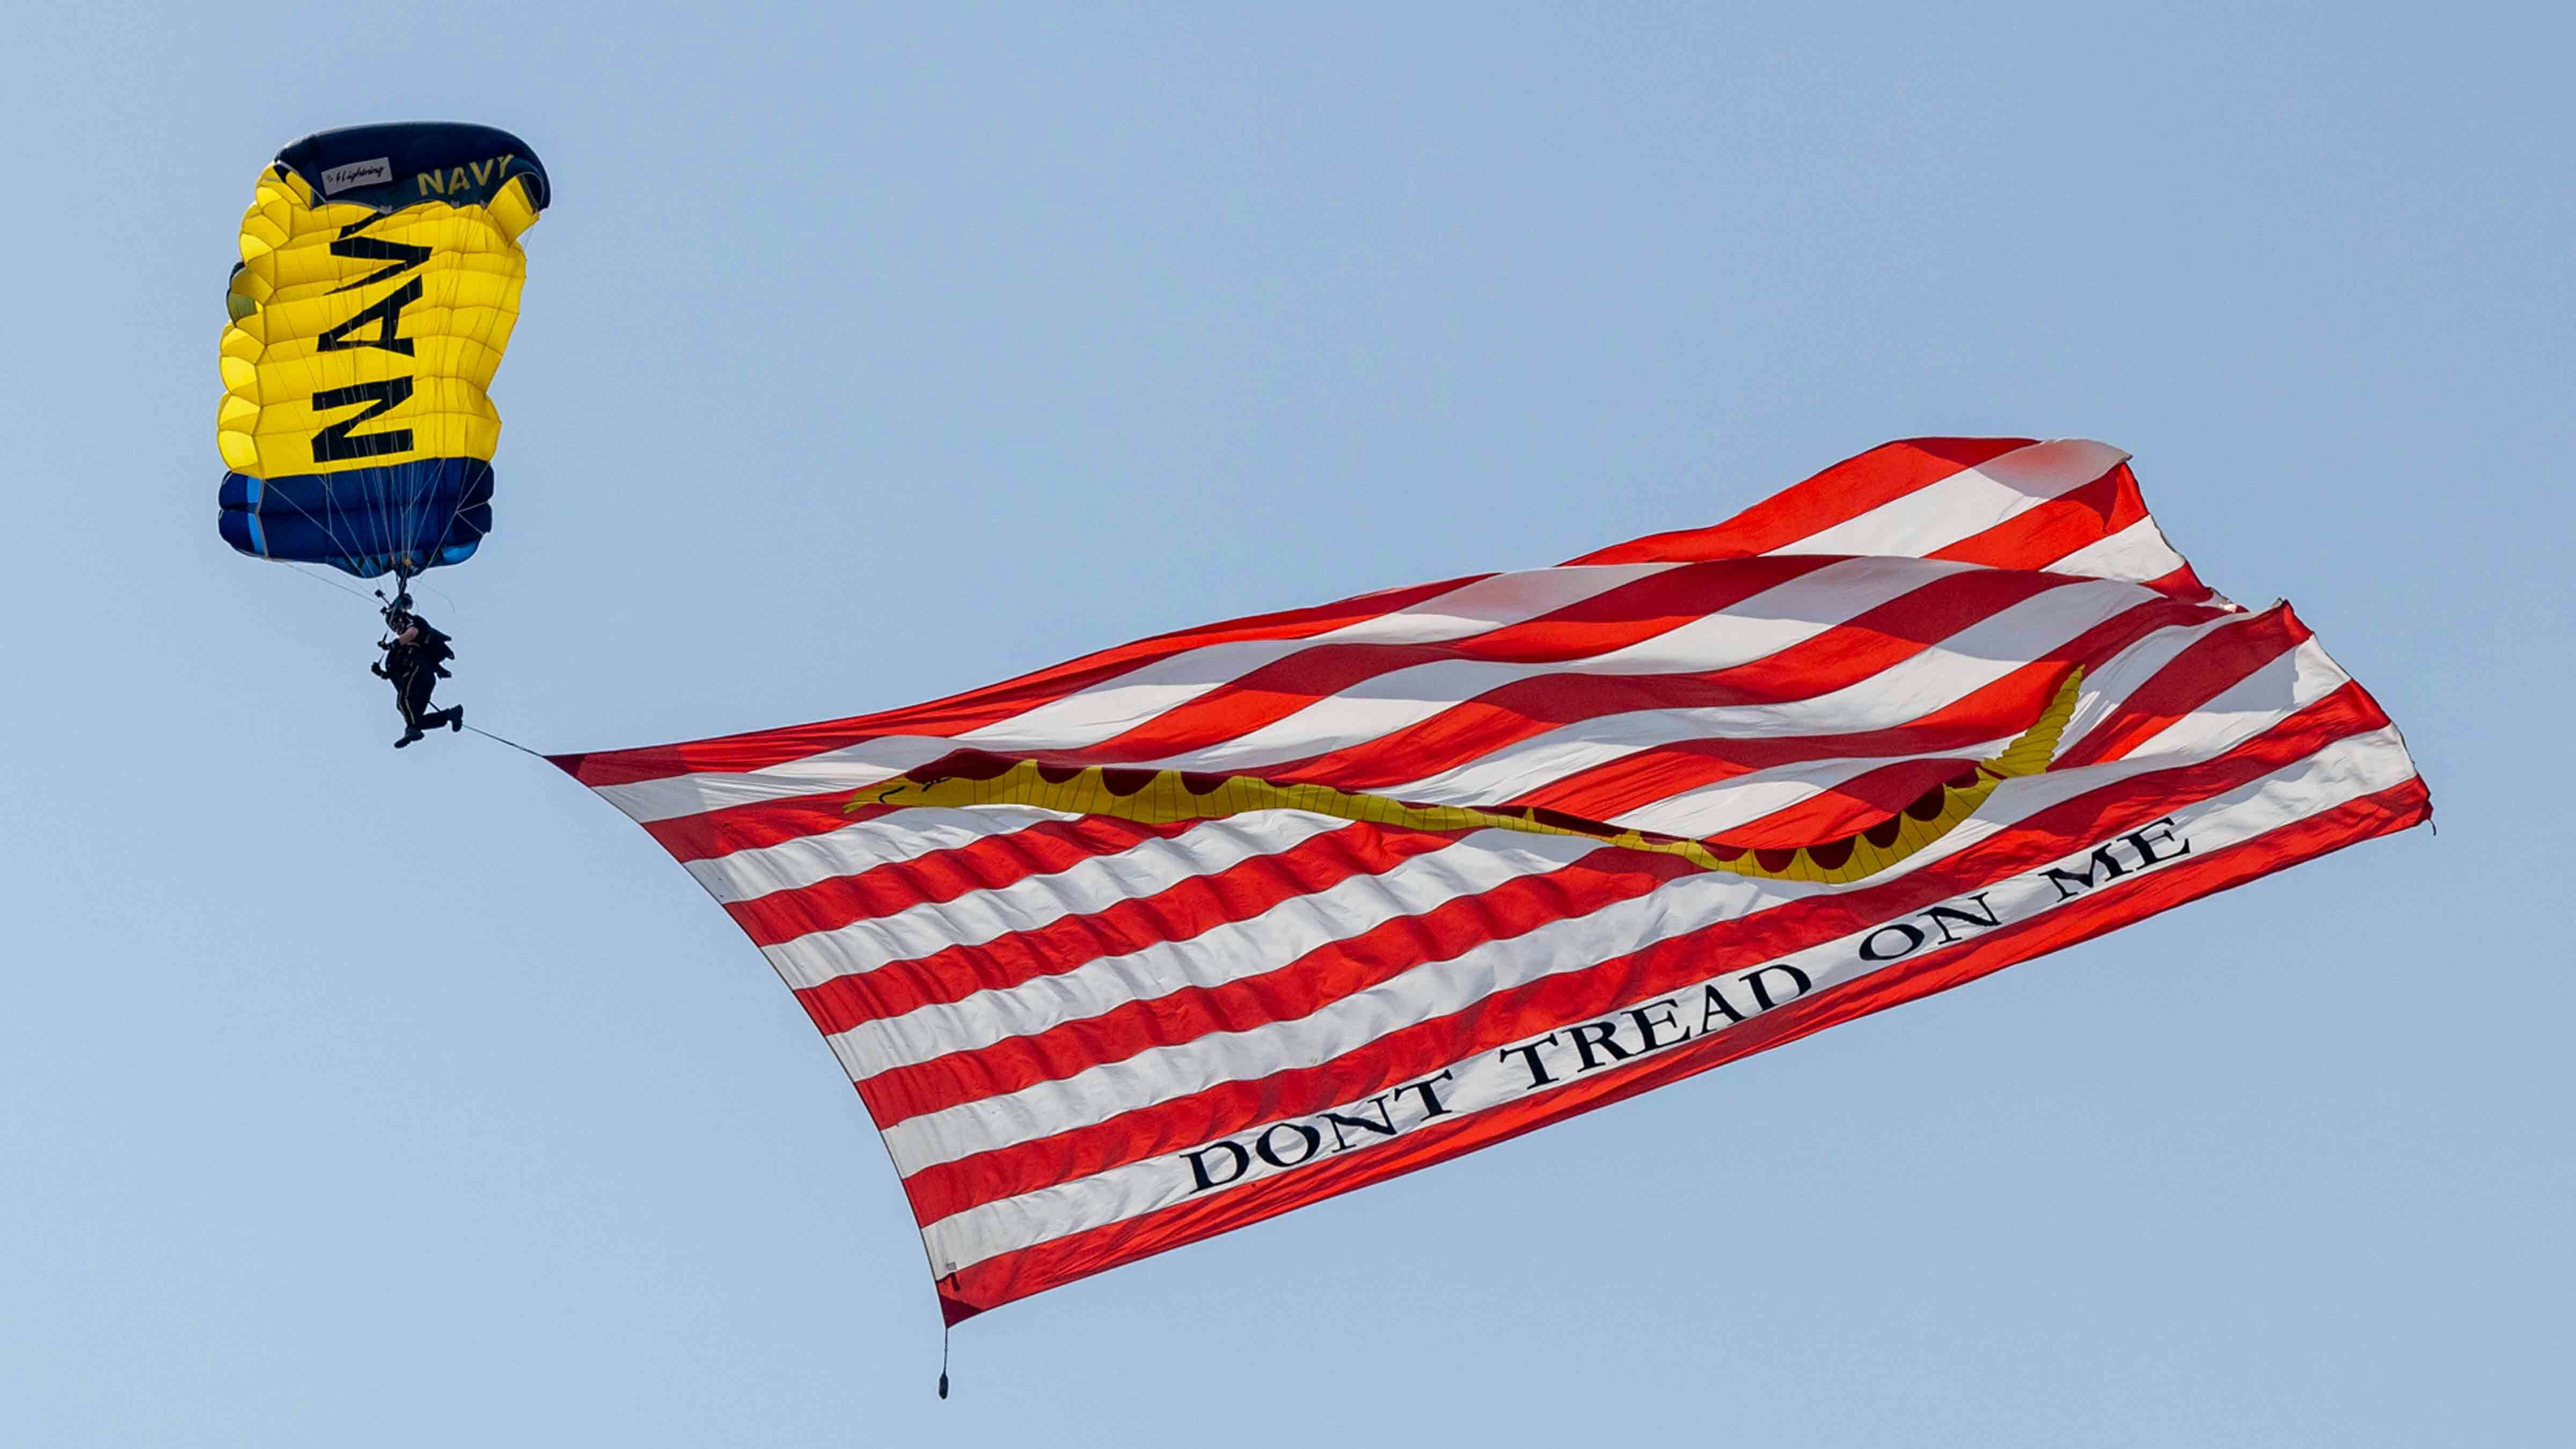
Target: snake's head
<point>900,791</point>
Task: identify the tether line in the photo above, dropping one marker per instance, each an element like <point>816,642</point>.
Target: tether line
<point>513,744</point>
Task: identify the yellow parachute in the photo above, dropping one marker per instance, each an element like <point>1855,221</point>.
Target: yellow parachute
<point>378,284</point>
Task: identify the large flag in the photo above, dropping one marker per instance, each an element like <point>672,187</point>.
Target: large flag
<point>1203,928</point>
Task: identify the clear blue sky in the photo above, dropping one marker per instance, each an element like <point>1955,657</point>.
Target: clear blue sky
<point>349,1097</point>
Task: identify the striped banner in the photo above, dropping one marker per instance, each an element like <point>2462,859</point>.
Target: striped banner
<point>1200,929</point>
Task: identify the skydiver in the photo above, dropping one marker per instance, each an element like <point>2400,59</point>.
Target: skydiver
<point>415,660</point>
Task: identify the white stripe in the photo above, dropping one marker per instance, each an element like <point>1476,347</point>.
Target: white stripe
<point>2243,710</point>
<point>2344,771</point>
<point>1345,910</point>
<point>1095,884</point>
<point>1967,502</point>
<point>1712,810</point>
<point>2106,689</point>
<point>1116,705</point>
<point>2137,552</point>
<point>888,839</point>
<point>864,763</point>
<point>1758,627</point>
<point>1931,679</point>
<point>1437,988</point>
<point>1493,602</point>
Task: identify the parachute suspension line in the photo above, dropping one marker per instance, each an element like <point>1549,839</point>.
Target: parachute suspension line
<point>323,523</point>
<point>323,579</point>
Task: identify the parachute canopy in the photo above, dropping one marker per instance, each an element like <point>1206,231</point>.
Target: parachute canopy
<point>379,279</point>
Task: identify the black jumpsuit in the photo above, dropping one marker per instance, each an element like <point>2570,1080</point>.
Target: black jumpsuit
<point>414,670</point>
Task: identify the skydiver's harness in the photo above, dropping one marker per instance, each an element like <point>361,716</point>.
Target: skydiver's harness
<point>430,654</point>
<point>398,616</point>
<point>397,607</point>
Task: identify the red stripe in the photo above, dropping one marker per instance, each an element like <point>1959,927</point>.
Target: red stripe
<point>2210,667</point>
<point>1530,1010</point>
<point>751,826</point>
<point>1187,909</point>
<point>2182,583</point>
<point>1833,659</point>
<point>759,824</point>
<point>1000,1280</point>
<point>733,754</point>
<point>1612,620</point>
<point>1046,847</point>
<point>1296,988</point>
<point>1839,494</point>
<point>1919,755</point>
<point>2003,707</point>
<point>2039,536</point>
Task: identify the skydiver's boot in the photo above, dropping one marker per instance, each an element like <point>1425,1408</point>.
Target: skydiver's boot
<point>455,718</point>
<point>409,735</point>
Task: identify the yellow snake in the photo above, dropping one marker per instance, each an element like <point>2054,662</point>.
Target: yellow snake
<point>1161,797</point>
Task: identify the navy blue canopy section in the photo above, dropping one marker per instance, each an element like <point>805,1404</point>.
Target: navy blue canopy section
<point>391,167</point>
<point>365,521</point>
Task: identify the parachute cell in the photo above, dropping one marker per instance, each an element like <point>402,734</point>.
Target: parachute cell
<point>379,279</point>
